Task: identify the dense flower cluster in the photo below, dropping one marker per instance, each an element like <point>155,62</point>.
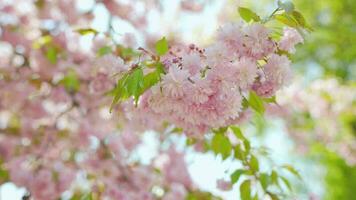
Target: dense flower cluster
<point>57,135</point>
<point>322,112</point>
<point>56,132</point>
<point>205,88</point>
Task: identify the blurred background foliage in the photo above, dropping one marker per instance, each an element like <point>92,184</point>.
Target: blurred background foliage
<point>340,178</point>
<point>332,45</point>
<point>329,52</point>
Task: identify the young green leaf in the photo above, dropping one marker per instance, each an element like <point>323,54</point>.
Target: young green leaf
<point>154,77</point>
<point>126,53</point>
<point>135,83</point>
<point>103,51</point>
<point>274,177</point>
<point>234,177</point>
<point>286,182</point>
<point>71,82</point>
<point>254,163</point>
<point>301,20</point>
<point>264,180</point>
<point>287,20</point>
<point>256,102</point>
<point>248,15</point>
<point>270,100</point>
<point>292,170</point>
<point>120,92</point>
<point>221,145</point>
<point>273,196</point>
<point>86,31</point>
<point>51,54</point>
<point>238,133</point>
<point>40,42</point>
<point>161,46</point>
<point>245,190</point>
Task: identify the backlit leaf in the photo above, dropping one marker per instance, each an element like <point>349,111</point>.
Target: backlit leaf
<point>248,15</point>
<point>221,145</point>
<point>161,46</point>
<point>86,31</point>
<point>256,102</point>
<point>245,190</point>
<point>234,177</point>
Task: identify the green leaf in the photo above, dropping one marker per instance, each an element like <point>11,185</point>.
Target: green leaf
<point>71,82</point>
<point>274,177</point>
<point>44,40</point>
<point>287,6</point>
<point>126,53</point>
<point>264,180</point>
<point>292,170</point>
<point>248,15</point>
<point>161,46</point>
<point>103,51</point>
<point>245,190</point>
<point>153,77</point>
<point>301,20</point>
<point>238,133</point>
<point>87,31</point>
<point>270,100</point>
<point>254,164</point>
<point>4,175</point>
<point>286,182</point>
<point>120,92</point>
<point>234,177</point>
<point>51,54</point>
<point>135,83</point>
<point>273,196</point>
<point>239,153</point>
<point>221,145</point>
<point>287,20</point>
<point>256,102</point>
<point>244,103</point>
<point>200,195</point>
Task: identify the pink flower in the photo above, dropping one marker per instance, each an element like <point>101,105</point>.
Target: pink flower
<point>174,82</point>
<point>223,185</point>
<point>110,64</point>
<point>192,63</point>
<point>257,42</point>
<point>175,170</point>
<point>100,84</point>
<point>278,71</point>
<point>42,186</point>
<point>176,192</point>
<point>231,34</point>
<point>290,38</point>
<point>264,89</point>
<point>246,72</point>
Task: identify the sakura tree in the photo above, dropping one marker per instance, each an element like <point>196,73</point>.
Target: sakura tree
<point>71,120</point>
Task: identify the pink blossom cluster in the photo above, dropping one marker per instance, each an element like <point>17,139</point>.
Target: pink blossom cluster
<point>56,132</point>
<point>204,88</point>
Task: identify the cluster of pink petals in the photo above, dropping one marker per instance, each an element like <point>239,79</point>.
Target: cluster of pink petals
<point>291,37</point>
<point>55,123</point>
<point>55,139</point>
<point>204,88</point>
